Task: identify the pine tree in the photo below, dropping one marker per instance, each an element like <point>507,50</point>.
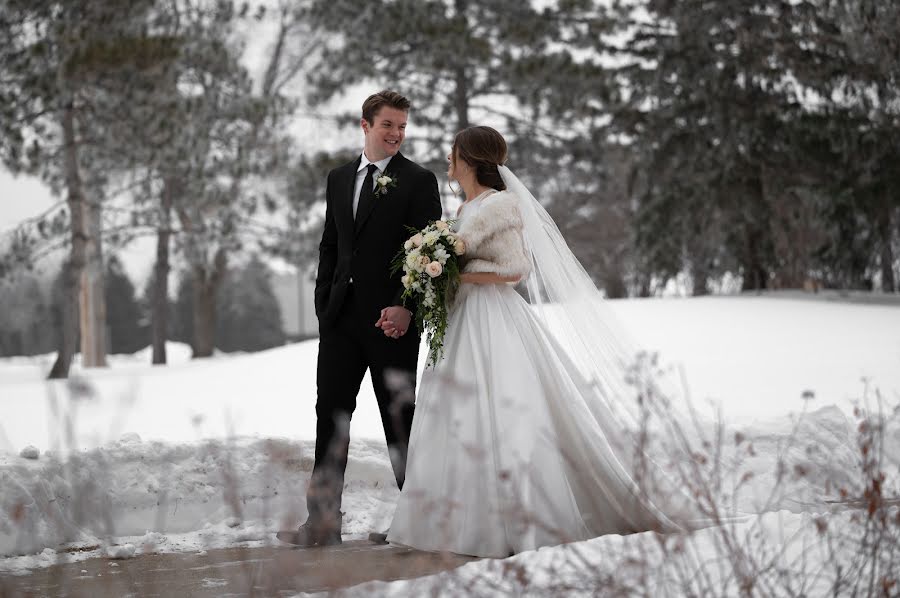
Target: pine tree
<point>715,123</point>
<point>762,133</point>
<point>182,310</point>
<point>517,66</point>
<point>65,69</point>
<point>460,62</point>
<point>127,329</point>
<point>163,106</point>
<point>25,323</point>
<point>861,125</point>
<point>249,316</point>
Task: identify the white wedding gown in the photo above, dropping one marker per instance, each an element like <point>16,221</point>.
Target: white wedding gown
<point>507,453</point>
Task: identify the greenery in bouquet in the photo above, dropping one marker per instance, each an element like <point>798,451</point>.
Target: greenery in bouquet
<point>430,263</point>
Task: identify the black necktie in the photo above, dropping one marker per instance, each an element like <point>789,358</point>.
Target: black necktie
<point>367,193</point>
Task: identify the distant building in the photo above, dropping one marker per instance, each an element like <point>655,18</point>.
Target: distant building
<point>295,296</point>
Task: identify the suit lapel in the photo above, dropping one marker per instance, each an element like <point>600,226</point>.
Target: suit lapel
<point>392,168</point>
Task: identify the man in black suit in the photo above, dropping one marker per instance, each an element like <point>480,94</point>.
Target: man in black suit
<point>362,322</point>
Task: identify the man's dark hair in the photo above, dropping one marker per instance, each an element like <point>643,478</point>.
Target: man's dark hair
<point>385,97</point>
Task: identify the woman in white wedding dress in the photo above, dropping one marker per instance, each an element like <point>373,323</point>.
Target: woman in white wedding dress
<point>520,439</point>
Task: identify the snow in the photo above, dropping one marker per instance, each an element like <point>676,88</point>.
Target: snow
<point>636,564</point>
<point>30,452</point>
<point>121,551</point>
<point>211,453</point>
<point>758,355</point>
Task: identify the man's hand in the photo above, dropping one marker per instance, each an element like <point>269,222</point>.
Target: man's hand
<point>394,321</point>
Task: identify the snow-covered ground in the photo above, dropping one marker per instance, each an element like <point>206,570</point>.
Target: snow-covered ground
<point>209,453</point>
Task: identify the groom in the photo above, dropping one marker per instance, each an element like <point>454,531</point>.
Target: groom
<point>362,322</point>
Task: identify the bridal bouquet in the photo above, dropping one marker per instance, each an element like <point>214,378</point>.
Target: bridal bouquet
<point>430,263</point>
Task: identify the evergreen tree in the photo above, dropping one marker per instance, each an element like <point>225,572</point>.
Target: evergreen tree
<point>461,62</point>
<point>182,310</point>
<point>248,316</point>
<point>26,327</point>
<point>125,322</point>
<point>249,313</point>
<point>860,124</point>
<point>153,96</point>
<point>297,242</point>
<point>518,66</point>
<point>54,65</point>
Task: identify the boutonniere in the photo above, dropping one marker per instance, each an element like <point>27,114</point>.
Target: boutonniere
<point>383,183</point>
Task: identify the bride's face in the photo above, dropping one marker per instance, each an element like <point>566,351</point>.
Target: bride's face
<point>450,168</point>
<point>456,168</point>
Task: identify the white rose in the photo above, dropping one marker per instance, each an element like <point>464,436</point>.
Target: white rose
<point>441,225</point>
<point>384,180</point>
<point>417,240</point>
<point>434,269</point>
<point>408,245</point>
<point>431,237</point>
<point>459,247</point>
<point>441,255</point>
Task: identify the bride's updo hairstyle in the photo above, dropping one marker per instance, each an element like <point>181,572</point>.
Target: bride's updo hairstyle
<point>484,149</point>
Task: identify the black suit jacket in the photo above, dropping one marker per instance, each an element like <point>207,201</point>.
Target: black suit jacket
<point>363,249</point>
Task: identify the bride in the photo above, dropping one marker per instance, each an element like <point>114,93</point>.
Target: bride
<point>521,436</point>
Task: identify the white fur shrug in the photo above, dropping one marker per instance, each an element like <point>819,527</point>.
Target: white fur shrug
<point>493,237</point>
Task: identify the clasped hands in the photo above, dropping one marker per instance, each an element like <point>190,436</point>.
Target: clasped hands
<point>394,321</point>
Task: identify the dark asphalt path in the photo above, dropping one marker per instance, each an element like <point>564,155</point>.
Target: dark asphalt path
<point>266,571</point>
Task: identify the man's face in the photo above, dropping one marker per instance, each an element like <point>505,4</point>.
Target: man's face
<point>386,133</point>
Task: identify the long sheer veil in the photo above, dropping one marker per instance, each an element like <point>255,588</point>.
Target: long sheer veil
<point>585,334</point>
<point>565,297</point>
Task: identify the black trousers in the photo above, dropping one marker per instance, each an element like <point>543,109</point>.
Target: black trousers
<point>346,350</point>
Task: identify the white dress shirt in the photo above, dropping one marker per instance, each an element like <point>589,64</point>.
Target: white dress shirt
<point>361,176</point>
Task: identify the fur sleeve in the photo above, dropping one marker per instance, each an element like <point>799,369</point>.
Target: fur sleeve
<point>493,238</point>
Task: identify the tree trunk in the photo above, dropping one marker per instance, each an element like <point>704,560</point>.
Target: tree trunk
<point>206,286</point>
<point>301,300</point>
<point>204,315</point>
<point>461,99</point>
<point>93,298</point>
<point>160,300</point>
<point>615,286</point>
<point>68,325</point>
<point>756,274</point>
<point>461,94</point>
<point>698,266</point>
<point>699,278</point>
<point>76,262</point>
<point>886,231</point>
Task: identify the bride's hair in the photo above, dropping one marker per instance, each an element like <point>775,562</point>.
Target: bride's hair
<point>484,149</point>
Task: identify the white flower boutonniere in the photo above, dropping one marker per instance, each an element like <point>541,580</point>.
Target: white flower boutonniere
<point>383,183</point>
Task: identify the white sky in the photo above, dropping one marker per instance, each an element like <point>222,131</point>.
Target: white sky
<point>20,198</point>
